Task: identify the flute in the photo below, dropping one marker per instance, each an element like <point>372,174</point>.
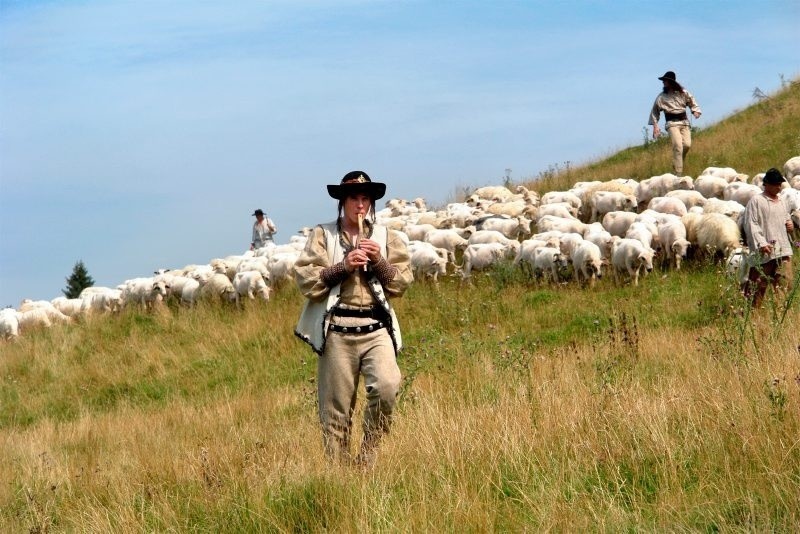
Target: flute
<point>361,233</point>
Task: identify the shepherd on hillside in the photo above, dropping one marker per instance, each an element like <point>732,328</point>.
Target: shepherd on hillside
<point>673,101</point>
<point>348,271</point>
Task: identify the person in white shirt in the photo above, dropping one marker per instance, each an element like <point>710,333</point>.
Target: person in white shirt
<point>263,230</point>
<point>673,101</point>
<point>767,225</point>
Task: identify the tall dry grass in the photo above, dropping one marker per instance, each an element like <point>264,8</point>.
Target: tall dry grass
<point>668,406</point>
<point>523,408</point>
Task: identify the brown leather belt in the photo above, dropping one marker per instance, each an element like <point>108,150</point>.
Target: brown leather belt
<point>675,116</point>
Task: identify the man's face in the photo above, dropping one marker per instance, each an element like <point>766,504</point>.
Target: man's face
<point>356,204</point>
<point>772,189</point>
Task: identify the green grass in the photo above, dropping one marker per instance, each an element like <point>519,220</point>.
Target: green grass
<point>524,407</point>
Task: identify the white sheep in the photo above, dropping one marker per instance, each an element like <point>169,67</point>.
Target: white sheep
<point>791,168</point>
<point>556,197</point>
<point>70,307</point>
<point>557,209</point>
<point>511,228</point>
<point>527,250</point>
<point>587,262</point>
<point>218,287</point>
<point>448,239</point>
<point>548,222</point>
<point>689,197</point>
<point>603,202</point>
<point>547,262</point>
<point>145,291</point>
<point>729,208</point>
<point>740,192</point>
<point>481,256</point>
<point>617,222</point>
<point>674,242</point>
<point>642,232</point>
<point>671,205</point>
<point>603,239</point>
<point>427,261</point>
<point>36,317</point>
<point>659,186</point>
<point>728,173</point>
<point>710,186</point>
<point>631,256</point>
<point>248,284</point>
<point>9,323</point>
<point>718,233</point>
<point>482,237</point>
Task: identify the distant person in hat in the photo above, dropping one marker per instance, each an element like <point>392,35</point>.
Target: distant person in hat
<point>673,101</point>
<point>767,225</point>
<point>263,230</point>
<point>349,272</point>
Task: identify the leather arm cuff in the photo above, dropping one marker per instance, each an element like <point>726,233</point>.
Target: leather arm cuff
<point>334,275</point>
<point>384,271</point>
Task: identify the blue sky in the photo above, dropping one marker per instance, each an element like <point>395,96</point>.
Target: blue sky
<point>136,135</point>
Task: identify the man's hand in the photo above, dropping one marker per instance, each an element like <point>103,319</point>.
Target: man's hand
<point>789,225</point>
<point>696,114</point>
<point>371,248</point>
<point>656,131</point>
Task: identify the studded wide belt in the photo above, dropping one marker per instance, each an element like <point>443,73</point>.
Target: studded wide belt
<point>364,329</point>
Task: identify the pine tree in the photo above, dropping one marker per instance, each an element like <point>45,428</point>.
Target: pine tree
<point>77,281</point>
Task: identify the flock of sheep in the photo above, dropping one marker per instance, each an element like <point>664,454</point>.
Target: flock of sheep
<point>618,226</point>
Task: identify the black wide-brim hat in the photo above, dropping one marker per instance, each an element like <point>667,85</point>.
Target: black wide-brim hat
<point>773,177</point>
<point>357,182</point>
<point>670,76</point>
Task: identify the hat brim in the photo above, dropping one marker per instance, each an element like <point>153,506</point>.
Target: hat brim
<point>374,190</point>
<point>665,79</point>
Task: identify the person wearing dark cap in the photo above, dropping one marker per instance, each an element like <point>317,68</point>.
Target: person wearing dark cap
<point>673,101</point>
<point>767,225</point>
<point>350,270</point>
<point>263,230</point>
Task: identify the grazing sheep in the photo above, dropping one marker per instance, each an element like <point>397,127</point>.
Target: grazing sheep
<point>690,198</point>
<point>711,186</point>
<point>249,284</point>
<point>617,222</point>
<point>427,261</point>
<point>671,205</point>
<point>631,256</point>
<point>547,262</point>
<point>717,233</point>
<point>481,256</point>
<point>70,307</point>
<point>674,242</point>
<point>728,173</point>
<point>729,208</point>
<point>791,168</point>
<point>587,262</point>
<point>659,186</point>
<point>9,323</point>
<point>218,287</point>
<point>740,192</point>
<point>603,202</point>
<point>548,222</point>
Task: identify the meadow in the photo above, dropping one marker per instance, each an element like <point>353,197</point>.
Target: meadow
<point>671,406</point>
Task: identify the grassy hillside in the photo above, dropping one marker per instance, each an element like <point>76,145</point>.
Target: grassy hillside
<point>751,141</point>
<point>667,406</point>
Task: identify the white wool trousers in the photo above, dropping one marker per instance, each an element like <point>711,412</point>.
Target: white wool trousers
<point>346,358</point>
<point>681,136</point>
